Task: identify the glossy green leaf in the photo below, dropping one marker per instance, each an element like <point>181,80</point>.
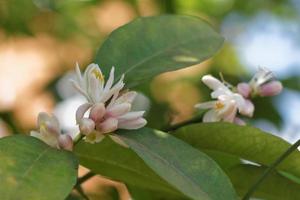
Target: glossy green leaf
<point>189,170</point>
<point>274,187</point>
<point>243,141</point>
<point>149,46</point>
<point>112,160</point>
<point>30,169</point>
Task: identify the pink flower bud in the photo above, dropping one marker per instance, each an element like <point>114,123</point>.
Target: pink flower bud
<point>97,112</point>
<point>270,89</point>
<point>86,126</point>
<point>107,126</point>
<point>118,109</point>
<point>133,124</point>
<point>65,142</point>
<point>244,89</point>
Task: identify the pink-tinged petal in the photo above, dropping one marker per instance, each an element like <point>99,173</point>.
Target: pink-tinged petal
<point>247,109</point>
<point>118,110</point>
<point>206,105</point>
<point>270,89</point>
<point>228,109</point>
<point>244,89</point>
<point>86,126</point>
<point>81,111</point>
<point>131,116</point>
<point>118,140</point>
<point>65,142</point>
<point>97,112</point>
<point>107,126</point>
<point>230,116</point>
<point>132,124</point>
<point>239,121</point>
<point>211,116</point>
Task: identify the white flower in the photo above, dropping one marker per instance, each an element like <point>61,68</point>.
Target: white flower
<point>50,133</point>
<point>109,108</point>
<point>227,103</point>
<point>91,84</point>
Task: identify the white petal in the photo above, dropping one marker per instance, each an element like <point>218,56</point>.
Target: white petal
<point>131,116</point>
<point>212,82</point>
<point>211,116</point>
<point>118,110</point>
<point>81,110</point>
<point>110,80</point>
<point>126,97</point>
<point>78,73</point>
<point>206,105</point>
<point>247,109</point>
<point>132,124</point>
<point>80,90</point>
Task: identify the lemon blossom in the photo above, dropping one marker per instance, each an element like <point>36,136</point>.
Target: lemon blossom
<point>50,133</point>
<point>263,84</point>
<point>227,103</point>
<point>109,106</point>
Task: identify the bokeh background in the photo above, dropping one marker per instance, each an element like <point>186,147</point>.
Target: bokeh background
<point>41,40</point>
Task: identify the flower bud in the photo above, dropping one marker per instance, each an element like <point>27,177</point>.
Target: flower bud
<point>270,89</point>
<point>97,112</point>
<point>107,126</point>
<point>244,89</point>
<point>65,142</point>
<point>86,126</point>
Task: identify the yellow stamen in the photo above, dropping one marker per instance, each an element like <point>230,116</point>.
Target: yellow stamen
<point>219,105</point>
<point>98,74</point>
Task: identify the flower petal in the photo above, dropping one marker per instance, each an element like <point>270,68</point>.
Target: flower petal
<point>211,116</point>
<point>206,105</point>
<point>81,111</point>
<point>133,124</point>
<point>118,109</point>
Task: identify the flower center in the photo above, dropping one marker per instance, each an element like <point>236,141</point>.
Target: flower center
<point>98,74</point>
<point>219,105</point>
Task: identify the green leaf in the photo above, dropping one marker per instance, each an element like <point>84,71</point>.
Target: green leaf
<point>189,170</point>
<point>243,141</point>
<point>275,186</point>
<point>149,46</point>
<point>110,159</point>
<point>30,169</point>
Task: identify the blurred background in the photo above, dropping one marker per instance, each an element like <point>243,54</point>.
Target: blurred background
<point>41,40</point>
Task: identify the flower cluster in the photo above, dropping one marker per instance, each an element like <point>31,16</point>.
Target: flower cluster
<point>107,109</point>
<point>229,102</point>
